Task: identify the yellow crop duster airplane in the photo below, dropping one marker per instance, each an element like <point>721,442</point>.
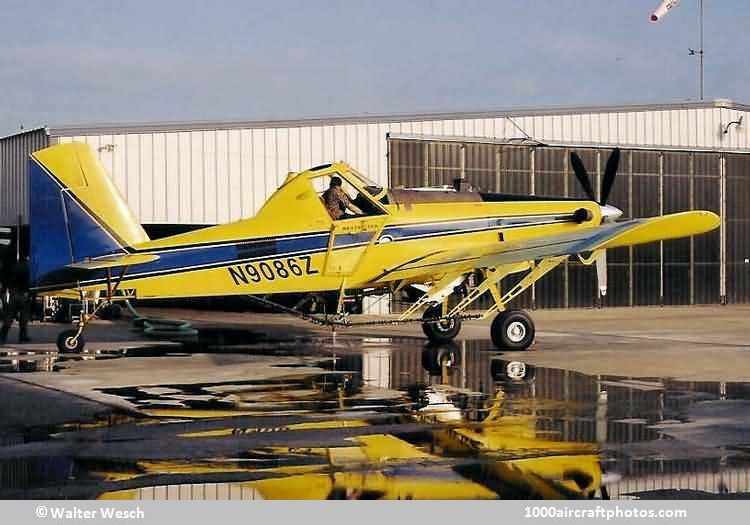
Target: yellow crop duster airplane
<point>84,239</point>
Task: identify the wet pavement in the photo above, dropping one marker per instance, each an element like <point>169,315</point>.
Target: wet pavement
<point>244,414</point>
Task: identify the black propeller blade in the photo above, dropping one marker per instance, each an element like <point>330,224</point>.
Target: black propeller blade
<point>582,175</point>
<point>608,180</point>
<point>609,175</point>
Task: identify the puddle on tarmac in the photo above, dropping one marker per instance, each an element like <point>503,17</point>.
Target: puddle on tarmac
<point>25,361</point>
<point>390,418</point>
<point>212,340</point>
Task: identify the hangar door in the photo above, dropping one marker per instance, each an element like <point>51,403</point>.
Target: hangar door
<point>707,269</point>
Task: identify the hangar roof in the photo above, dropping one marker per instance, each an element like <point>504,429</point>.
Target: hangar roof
<point>111,128</point>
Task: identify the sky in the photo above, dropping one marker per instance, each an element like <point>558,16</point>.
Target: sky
<point>72,62</point>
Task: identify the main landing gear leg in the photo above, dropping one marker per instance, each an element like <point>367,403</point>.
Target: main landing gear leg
<point>72,341</point>
<point>514,329</point>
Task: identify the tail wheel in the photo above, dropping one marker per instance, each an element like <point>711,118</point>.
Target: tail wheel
<point>512,330</point>
<point>69,341</point>
<point>440,331</point>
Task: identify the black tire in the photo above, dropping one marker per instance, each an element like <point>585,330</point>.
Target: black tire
<point>512,330</point>
<point>440,331</point>
<point>65,343</point>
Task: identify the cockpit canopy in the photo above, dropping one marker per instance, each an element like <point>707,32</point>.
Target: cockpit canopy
<point>364,193</point>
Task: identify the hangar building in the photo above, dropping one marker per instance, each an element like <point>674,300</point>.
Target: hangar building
<point>675,157</point>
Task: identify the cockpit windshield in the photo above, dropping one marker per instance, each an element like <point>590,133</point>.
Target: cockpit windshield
<point>347,194</point>
<point>369,185</point>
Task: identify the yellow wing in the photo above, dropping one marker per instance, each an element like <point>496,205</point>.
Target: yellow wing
<point>613,235</point>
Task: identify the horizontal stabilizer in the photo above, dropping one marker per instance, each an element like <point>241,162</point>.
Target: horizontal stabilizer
<point>113,261</point>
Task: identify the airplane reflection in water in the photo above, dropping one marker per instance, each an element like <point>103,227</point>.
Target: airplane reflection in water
<point>427,447</point>
<point>375,466</point>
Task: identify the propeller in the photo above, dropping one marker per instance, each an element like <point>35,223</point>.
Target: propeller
<point>608,180</point>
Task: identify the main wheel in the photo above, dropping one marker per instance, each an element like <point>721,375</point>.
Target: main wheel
<point>440,331</point>
<point>512,330</point>
<point>67,342</point>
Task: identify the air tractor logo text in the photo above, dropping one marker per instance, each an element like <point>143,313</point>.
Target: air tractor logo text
<point>285,268</point>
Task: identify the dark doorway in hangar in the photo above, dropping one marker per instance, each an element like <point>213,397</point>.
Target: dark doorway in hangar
<point>700,270</point>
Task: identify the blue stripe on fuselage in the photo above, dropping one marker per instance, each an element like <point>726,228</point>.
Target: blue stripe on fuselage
<point>182,259</point>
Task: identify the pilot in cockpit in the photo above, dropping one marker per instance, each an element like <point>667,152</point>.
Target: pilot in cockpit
<point>337,201</point>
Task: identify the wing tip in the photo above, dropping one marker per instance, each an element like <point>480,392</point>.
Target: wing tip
<point>709,220</point>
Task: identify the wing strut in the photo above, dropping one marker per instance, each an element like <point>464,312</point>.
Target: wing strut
<point>495,274</point>
<point>437,293</point>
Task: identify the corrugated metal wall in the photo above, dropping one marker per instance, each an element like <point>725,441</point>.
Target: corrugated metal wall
<point>14,154</point>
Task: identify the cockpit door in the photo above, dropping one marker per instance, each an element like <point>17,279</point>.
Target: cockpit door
<point>350,240</point>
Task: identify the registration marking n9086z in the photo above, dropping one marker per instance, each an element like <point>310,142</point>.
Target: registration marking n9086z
<point>284,268</point>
